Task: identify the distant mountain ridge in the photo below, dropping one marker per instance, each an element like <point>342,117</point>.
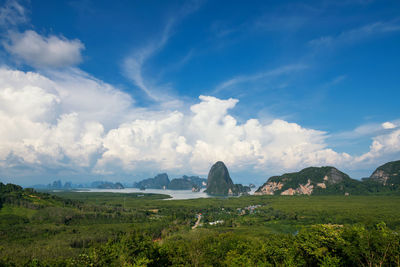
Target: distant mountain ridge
<point>329,180</point>
<point>110,185</point>
<point>58,185</point>
<point>161,181</point>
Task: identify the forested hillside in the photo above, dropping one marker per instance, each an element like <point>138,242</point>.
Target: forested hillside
<point>108,229</point>
<point>331,181</point>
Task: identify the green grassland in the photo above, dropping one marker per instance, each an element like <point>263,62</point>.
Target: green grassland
<point>109,229</point>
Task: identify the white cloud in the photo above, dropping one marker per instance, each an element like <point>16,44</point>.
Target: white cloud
<point>43,52</point>
<point>12,13</point>
<point>194,141</point>
<point>30,101</point>
<point>155,142</point>
<point>91,98</point>
<point>388,125</point>
<point>57,92</point>
<point>366,130</point>
<point>72,120</point>
<point>383,146</point>
<point>44,123</point>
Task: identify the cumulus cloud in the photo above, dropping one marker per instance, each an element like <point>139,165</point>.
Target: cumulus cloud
<point>383,146</point>
<point>153,143</point>
<point>68,142</point>
<point>55,93</point>
<point>52,121</point>
<point>43,52</point>
<point>44,124</point>
<point>194,141</point>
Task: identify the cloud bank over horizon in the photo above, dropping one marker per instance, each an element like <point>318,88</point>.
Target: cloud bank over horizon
<point>51,121</point>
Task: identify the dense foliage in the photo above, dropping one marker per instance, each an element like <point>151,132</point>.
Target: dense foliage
<point>107,229</point>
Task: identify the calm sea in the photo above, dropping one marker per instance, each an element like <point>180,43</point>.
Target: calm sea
<point>175,194</point>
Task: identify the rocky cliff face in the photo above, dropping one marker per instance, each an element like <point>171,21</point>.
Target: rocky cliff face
<point>387,174</point>
<point>269,188</point>
<point>306,182</point>
<point>305,189</point>
<point>220,183</point>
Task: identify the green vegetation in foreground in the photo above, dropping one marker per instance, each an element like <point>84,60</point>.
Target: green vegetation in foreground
<point>108,229</point>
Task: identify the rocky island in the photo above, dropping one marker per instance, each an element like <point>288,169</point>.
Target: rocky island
<point>220,183</point>
<point>162,181</point>
<point>110,185</point>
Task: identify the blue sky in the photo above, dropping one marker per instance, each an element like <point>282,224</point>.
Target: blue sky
<point>112,88</point>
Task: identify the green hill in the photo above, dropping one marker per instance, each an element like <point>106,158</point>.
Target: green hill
<point>312,180</point>
<point>388,174</point>
<point>29,198</point>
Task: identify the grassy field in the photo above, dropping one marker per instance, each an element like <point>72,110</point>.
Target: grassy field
<point>69,224</point>
<point>277,210</point>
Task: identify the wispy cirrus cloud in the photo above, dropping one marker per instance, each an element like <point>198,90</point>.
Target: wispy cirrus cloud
<point>260,75</point>
<point>12,13</point>
<point>357,34</point>
<point>134,64</point>
<point>368,130</point>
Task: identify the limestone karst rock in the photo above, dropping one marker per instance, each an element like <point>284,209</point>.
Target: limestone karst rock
<point>220,183</point>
